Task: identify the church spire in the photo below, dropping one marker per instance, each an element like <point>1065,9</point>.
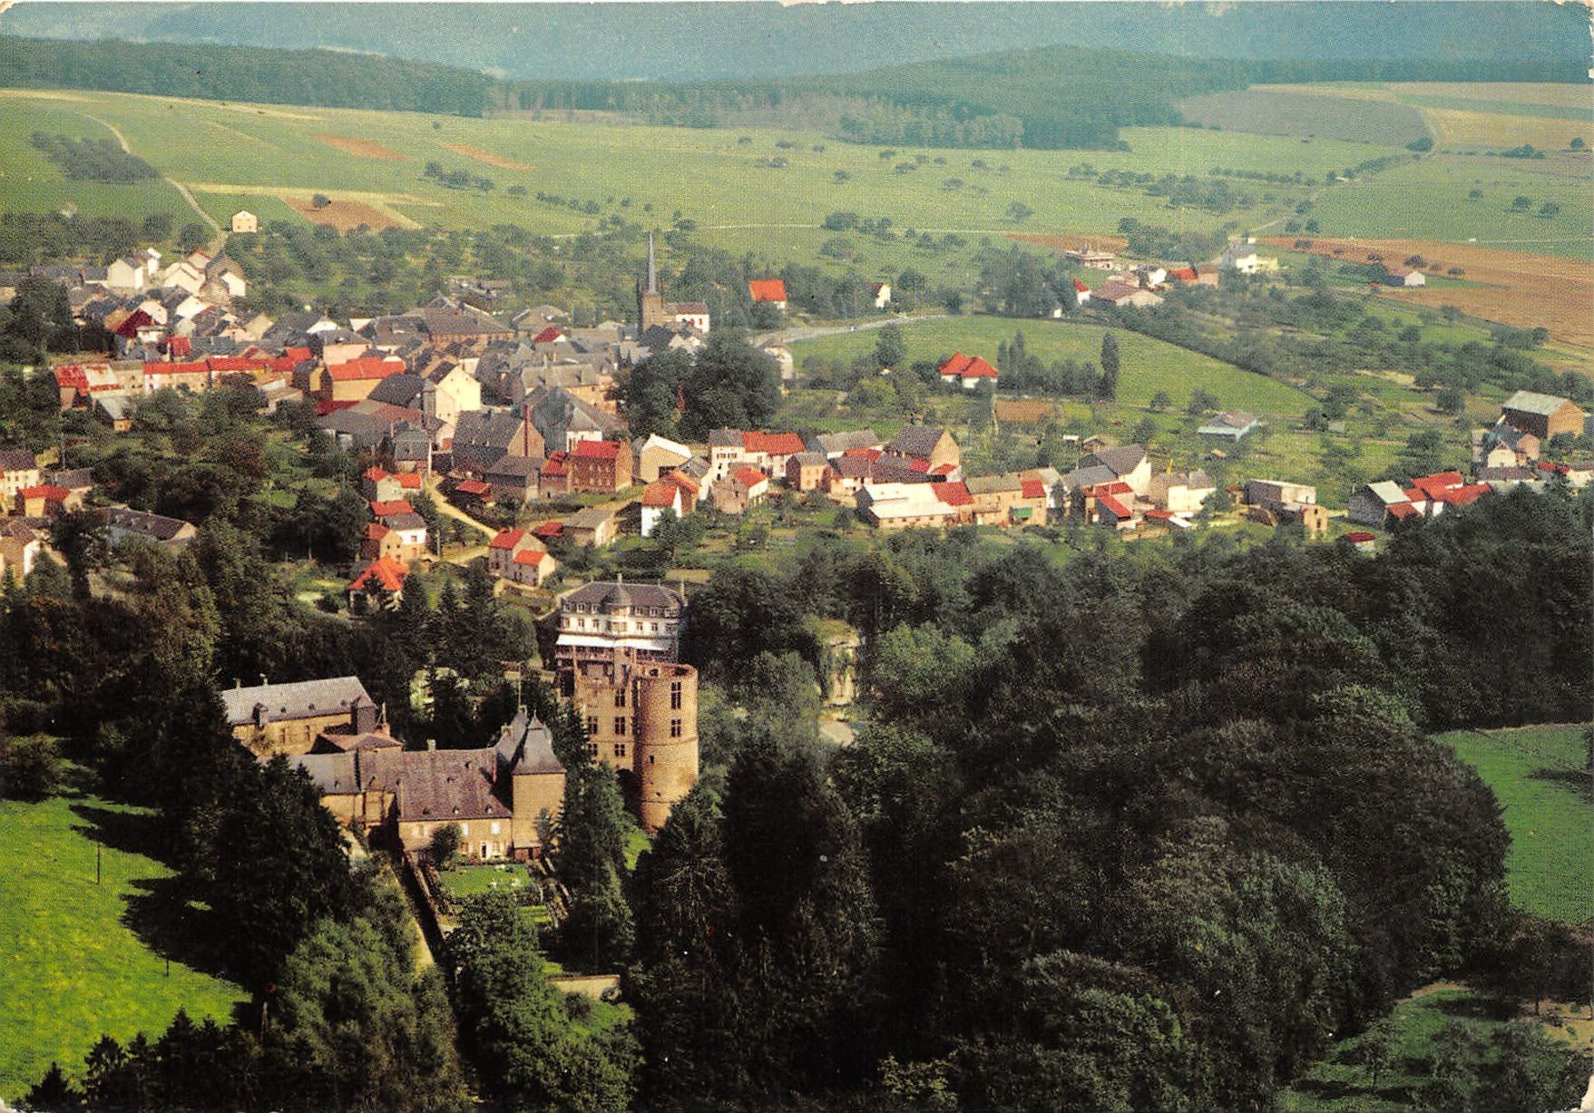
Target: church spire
<point>653,270</point>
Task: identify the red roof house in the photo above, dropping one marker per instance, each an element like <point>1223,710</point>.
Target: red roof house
<point>768,291</point>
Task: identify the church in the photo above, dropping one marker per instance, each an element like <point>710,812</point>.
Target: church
<point>653,311</point>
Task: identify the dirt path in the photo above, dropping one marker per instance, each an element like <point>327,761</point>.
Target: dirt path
<point>217,237</point>
<point>806,333</point>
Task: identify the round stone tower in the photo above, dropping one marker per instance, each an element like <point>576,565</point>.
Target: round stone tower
<point>666,738</point>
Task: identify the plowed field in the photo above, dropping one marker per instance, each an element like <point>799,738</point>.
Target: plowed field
<point>487,157</point>
<point>363,148</point>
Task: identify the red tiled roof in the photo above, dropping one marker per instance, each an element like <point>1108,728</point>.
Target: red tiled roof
<point>385,572</point>
<point>506,540</point>
<point>71,376</point>
<point>174,368</point>
<point>530,558</point>
<point>749,476</point>
<point>758,442</point>
<point>1184,275</point>
<point>944,469</point>
<point>1079,285</point>
<point>325,407</point>
<point>375,531</point>
<point>48,492</point>
<point>473,488</point>
<point>1360,536</point>
<point>1416,495</point>
<point>682,481</point>
<point>1436,483</point>
<point>298,353</point>
<point>180,346</point>
<point>1158,514</point>
<point>1114,505</point>
<point>552,333</point>
<point>921,465</point>
<point>1403,510</point>
<point>408,480</point>
<point>381,508</point>
<point>555,467</point>
<point>1111,488</point>
<point>549,529</point>
<point>1462,495</point>
<point>366,368</point>
<point>231,364</point>
<point>955,493</point>
<point>597,451</point>
<point>1033,488</point>
<point>375,473</point>
<point>767,290</point>
<point>959,365</point>
<point>660,494</point>
<point>869,452</point>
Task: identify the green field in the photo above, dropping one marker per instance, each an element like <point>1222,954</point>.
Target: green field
<point>72,965</point>
<point>1148,365</point>
<point>1538,775</point>
<point>1298,113</point>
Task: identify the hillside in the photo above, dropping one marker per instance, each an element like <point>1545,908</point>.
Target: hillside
<point>708,41</point>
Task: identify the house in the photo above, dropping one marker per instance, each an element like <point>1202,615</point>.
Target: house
<point>599,467</point>
<point>1363,541</point>
<point>968,372</point>
<point>1127,464</point>
<point>452,391</point>
<point>378,586</point>
<point>563,420</point>
<point>596,527</point>
<point>658,498</point>
<point>1233,425</point>
<point>1576,474</point>
<point>932,445</point>
<point>1090,258</point>
<point>1082,292</point>
<point>519,557</point>
<point>1543,415</point>
<point>501,798</point>
<point>482,437</point>
<point>1284,502</point>
<point>729,449</point>
<point>126,275</point>
<point>448,320</point>
<point>1507,445</point>
<point>1406,277</point>
<point>1241,256</point>
<point>377,485</point>
<point>20,547</point>
<point>46,502</point>
<point>284,719</point>
<point>808,472</point>
<point>1181,492</point>
<point>1506,477</point>
<point>244,222</point>
<point>357,378</point>
<point>130,523</point>
<point>740,490</point>
<point>768,291</point>
<point>514,478</point>
<point>1380,502</point>
<point>1004,499</point>
<point>656,455</point>
<point>1117,293</point>
<point>893,505</point>
<point>602,624</point>
<point>1112,506</point>
<point>405,537</point>
<point>835,445</point>
<point>1433,494</point>
<point>19,470</point>
<point>880,295</point>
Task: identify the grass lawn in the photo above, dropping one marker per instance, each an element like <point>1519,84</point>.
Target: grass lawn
<point>72,965</point>
<point>1148,365</point>
<point>1339,1084</point>
<point>1543,788</point>
<point>473,880</point>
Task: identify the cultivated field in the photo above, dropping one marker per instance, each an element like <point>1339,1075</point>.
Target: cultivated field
<point>75,957</point>
<point>1540,778</point>
<point>1516,288</point>
<point>1148,365</point>
<point>1307,111</point>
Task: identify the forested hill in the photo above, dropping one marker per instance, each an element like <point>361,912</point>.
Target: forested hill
<point>709,41</point>
<point>228,73</point>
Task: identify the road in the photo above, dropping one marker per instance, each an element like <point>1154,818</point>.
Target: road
<point>806,333</point>
<point>216,236</point>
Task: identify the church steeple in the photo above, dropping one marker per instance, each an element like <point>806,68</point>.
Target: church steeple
<point>649,298</point>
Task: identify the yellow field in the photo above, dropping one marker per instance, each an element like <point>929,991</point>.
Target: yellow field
<point>1456,127</point>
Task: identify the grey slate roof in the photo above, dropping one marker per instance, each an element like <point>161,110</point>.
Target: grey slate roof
<point>842,441</point>
<point>639,595</point>
<point>1122,460</point>
<point>916,441</point>
<point>525,746</point>
<point>18,459</point>
<point>288,701</point>
<point>402,389</point>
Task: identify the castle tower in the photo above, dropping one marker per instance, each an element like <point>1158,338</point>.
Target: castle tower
<point>649,298</point>
<point>666,738</point>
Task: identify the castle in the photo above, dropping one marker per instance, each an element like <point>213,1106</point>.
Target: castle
<point>653,311</point>
<point>616,662</point>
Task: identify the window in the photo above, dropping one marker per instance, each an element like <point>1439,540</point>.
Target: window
<point>619,699</point>
<point>619,749</point>
<point>592,727</point>
<point>619,727</point>
<point>495,829</point>
<point>464,829</point>
<point>675,696</point>
<point>592,751</point>
<point>675,727</point>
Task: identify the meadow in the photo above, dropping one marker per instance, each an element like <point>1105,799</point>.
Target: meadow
<point>73,965</point>
<point>1540,776</point>
<point>1148,365</point>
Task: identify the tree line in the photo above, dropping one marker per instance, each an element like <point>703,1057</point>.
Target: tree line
<point>97,160</point>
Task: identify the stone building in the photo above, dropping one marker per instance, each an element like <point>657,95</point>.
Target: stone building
<point>653,311</point>
<point>616,660</point>
<point>284,719</point>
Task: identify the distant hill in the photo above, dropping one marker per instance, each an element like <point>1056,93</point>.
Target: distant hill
<point>694,42</point>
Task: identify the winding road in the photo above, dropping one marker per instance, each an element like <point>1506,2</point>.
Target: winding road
<point>217,237</point>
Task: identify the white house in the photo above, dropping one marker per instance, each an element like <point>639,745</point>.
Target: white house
<point>245,222</point>
<point>1233,425</point>
<point>658,498</point>
<point>1409,278</point>
<point>882,295</point>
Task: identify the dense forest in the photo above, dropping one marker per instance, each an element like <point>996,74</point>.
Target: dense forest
<point>1141,830</point>
<point>335,79</point>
